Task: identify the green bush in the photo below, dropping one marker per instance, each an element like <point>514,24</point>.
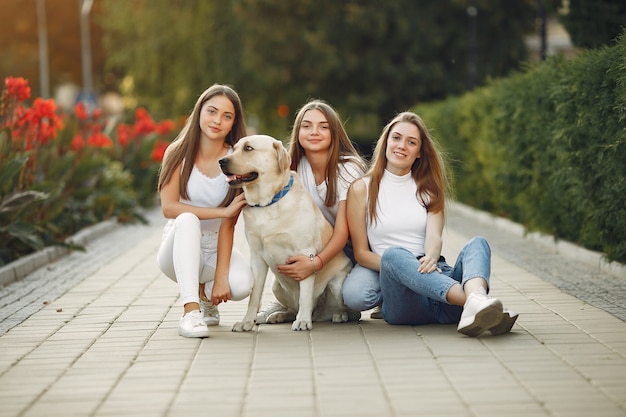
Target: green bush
<point>546,147</point>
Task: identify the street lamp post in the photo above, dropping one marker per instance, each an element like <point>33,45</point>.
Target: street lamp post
<point>87,95</point>
<point>44,76</point>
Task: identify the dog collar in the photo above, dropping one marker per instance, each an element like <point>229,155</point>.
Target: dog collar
<point>279,194</point>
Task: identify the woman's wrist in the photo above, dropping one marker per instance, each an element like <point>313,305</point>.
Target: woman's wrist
<point>321,262</point>
<point>315,265</point>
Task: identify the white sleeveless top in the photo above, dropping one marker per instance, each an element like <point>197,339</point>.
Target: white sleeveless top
<point>205,191</point>
<point>346,174</point>
<point>401,216</point>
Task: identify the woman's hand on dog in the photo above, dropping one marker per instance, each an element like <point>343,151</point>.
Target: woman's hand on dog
<point>235,207</point>
<point>297,267</point>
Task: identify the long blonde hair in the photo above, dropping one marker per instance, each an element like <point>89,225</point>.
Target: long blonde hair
<point>428,171</point>
<point>341,150</point>
<point>185,146</point>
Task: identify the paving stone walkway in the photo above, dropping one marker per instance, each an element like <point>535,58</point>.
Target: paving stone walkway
<point>95,334</point>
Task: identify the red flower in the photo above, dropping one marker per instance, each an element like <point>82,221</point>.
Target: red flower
<point>141,113</point>
<point>164,127</point>
<point>81,111</point>
<point>100,140</point>
<point>46,132</point>
<point>123,134</point>
<point>45,109</point>
<point>159,150</point>
<point>17,87</point>
<point>45,118</point>
<point>39,123</point>
<point>20,112</point>
<point>144,124</point>
<point>77,142</point>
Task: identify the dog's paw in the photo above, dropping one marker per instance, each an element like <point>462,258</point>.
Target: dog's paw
<point>302,325</point>
<point>243,326</point>
<point>340,317</point>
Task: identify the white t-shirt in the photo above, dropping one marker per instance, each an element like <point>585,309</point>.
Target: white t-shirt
<point>401,216</point>
<point>346,174</point>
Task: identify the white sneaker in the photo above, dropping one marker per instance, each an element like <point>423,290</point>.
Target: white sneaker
<point>506,324</point>
<point>192,325</point>
<point>377,313</point>
<point>211,314</point>
<point>274,312</point>
<point>480,313</point>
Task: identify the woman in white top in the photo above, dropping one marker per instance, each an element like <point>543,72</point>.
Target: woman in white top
<point>197,246</point>
<point>396,219</point>
<point>327,163</point>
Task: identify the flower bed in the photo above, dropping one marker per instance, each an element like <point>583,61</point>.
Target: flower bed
<point>62,172</point>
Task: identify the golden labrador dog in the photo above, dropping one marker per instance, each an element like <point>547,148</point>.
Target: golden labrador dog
<point>281,220</point>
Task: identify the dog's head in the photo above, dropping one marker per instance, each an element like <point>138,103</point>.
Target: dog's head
<point>257,159</point>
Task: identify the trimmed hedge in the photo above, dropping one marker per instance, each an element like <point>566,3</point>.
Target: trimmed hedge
<point>546,147</point>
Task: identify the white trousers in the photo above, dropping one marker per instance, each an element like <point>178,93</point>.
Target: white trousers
<point>188,255</point>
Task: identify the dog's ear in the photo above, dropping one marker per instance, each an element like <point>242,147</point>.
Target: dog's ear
<point>284,160</point>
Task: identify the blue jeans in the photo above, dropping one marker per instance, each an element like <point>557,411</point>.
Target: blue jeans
<point>414,298</point>
<point>361,289</point>
<point>411,297</point>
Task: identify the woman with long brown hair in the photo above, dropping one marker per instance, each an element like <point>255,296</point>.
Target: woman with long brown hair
<point>197,246</point>
<point>327,163</point>
<point>396,219</point>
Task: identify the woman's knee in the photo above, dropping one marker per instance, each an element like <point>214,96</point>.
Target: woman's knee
<point>240,277</point>
<point>165,262</point>
<point>480,243</point>
<point>392,256</point>
<point>359,296</point>
<point>239,292</point>
<point>186,218</point>
<point>241,287</point>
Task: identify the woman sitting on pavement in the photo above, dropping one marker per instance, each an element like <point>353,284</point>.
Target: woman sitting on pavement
<point>396,218</point>
<point>327,163</point>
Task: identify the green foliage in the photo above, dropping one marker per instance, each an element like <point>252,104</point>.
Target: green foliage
<point>546,147</point>
<point>13,230</point>
<point>69,194</point>
<point>368,58</point>
<point>594,23</point>
<point>170,51</point>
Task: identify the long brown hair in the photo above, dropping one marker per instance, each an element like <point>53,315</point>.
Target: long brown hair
<point>428,171</point>
<point>185,147</point>
<point>341,150</point>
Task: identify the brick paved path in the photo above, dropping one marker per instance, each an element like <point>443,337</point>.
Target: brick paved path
<point>106,344</point>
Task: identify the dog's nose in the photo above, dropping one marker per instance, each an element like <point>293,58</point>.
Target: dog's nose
<point>223,162</point>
